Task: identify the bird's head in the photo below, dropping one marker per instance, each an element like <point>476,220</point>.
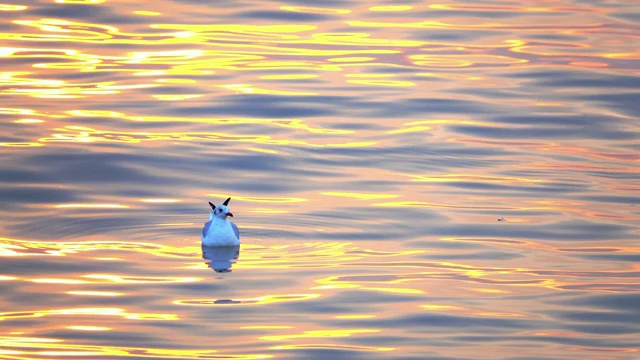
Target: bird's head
<point>220,211</point>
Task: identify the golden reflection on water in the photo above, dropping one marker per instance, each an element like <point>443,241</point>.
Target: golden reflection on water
<point>95,293</point>
<point>395,274</point>
<point>389,118</point>
<point>56,348</point>
<point>88,328</point>
<point>116,312</point>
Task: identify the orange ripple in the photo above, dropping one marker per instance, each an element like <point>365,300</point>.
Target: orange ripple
<point>163,201</point>
<point>95,293</point>
<point>124,279</point>
<point>92,206</point>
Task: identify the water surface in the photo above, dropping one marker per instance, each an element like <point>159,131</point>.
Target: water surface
<point>412,180</point>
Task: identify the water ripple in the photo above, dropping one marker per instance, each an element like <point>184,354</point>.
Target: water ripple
<point>411,180</point>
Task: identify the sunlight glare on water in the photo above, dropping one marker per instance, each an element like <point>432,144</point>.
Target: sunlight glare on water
<point>412,180</point>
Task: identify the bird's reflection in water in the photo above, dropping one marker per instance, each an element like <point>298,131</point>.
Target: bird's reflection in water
<point>220,258</point>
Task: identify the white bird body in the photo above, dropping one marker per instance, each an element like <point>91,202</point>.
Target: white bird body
<point>219,231</point>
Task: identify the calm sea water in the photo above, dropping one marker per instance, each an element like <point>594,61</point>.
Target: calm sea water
<point>412,180</point>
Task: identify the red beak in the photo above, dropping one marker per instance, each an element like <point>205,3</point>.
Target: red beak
<point>229,214</point>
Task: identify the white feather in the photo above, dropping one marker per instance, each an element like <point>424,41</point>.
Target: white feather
<point>219,231</point>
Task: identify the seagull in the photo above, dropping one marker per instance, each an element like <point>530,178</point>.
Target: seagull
<point>219,231</point>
